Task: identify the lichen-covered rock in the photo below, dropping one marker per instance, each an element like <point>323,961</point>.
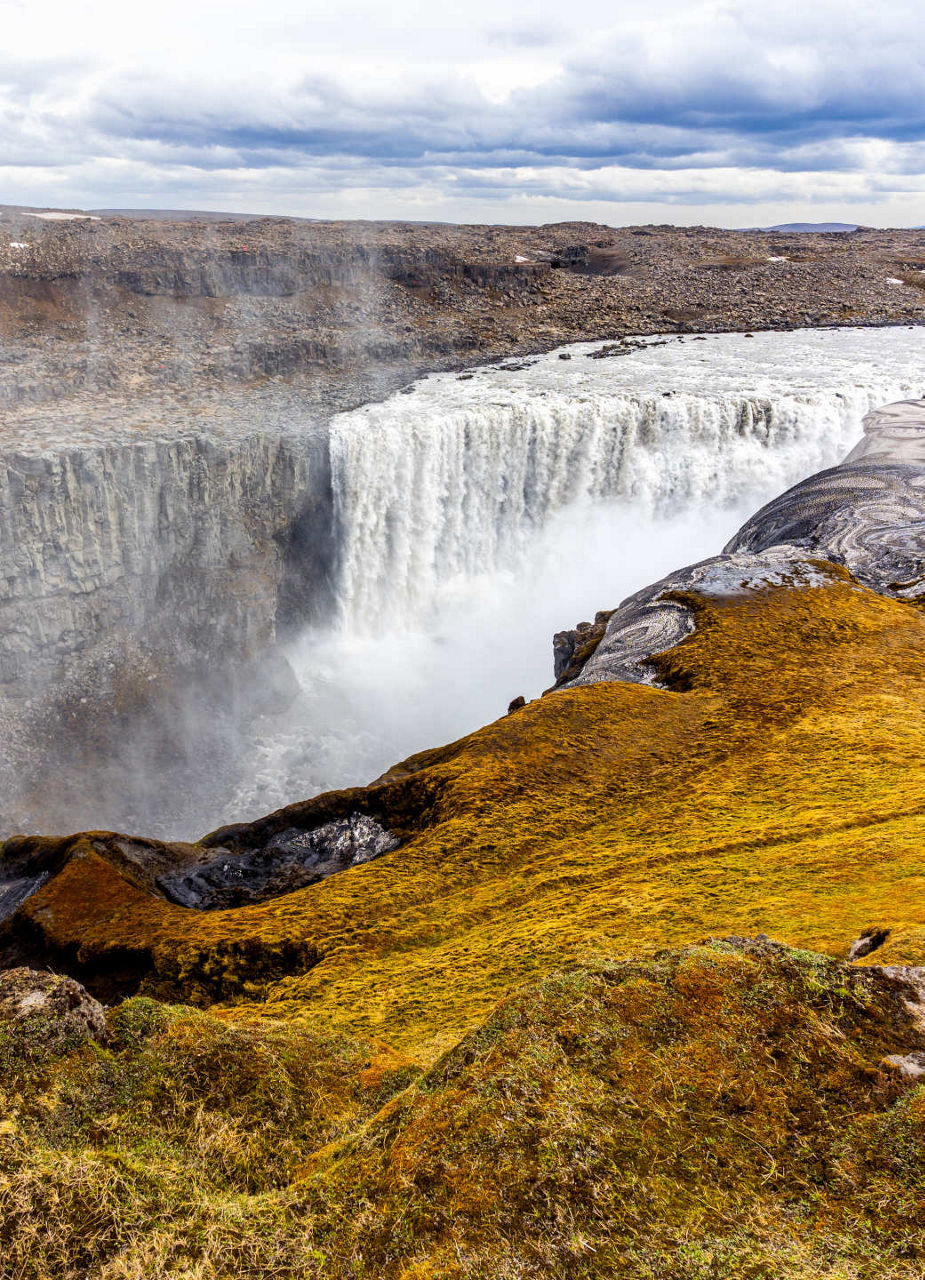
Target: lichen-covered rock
<point>27,996</point>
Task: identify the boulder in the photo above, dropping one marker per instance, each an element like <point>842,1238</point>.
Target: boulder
<point>28,996</point>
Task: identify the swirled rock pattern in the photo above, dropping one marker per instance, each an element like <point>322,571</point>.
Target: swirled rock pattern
<point>660,616</point>
<point>866,515</point>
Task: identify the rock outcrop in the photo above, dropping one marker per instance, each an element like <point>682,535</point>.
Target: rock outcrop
<point>54,1006</point>
<point>866,516</point>
<point>178,544</point>
<point>290,859</point>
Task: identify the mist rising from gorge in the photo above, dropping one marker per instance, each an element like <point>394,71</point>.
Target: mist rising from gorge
<point>470,518</point>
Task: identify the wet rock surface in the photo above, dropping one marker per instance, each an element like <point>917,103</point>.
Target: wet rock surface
<point>14,890</point>
<point>866,515</point>
<point>291,859</point>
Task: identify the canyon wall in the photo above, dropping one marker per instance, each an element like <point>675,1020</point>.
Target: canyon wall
<point>180,545</point>
<point>150,568</point>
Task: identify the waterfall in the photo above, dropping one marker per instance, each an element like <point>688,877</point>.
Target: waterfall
<point>458,477</point>
<point>474,515</point>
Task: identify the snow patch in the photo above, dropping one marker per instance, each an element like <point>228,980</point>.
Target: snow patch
<point>65,217</point>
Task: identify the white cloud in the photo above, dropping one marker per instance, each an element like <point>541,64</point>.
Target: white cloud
<point>459,111</point>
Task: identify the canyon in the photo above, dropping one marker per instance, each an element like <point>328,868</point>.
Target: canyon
<point>627,981</point>
<point>187,468</point>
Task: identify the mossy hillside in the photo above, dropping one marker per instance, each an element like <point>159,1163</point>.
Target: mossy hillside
<point>717,1111</point>
<point>781,792</point>
<point>172,1136</point>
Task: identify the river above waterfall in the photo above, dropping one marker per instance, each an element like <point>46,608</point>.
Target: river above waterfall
<point>471,516</point>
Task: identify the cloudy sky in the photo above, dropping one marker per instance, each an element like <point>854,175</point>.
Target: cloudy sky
<point>734,114</point>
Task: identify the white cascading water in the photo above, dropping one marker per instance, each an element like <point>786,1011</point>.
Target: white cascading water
<point>459,477</point>
<point>479,514</point>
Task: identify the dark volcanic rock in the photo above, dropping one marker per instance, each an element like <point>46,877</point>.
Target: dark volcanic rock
<point>571,649</point>
<point>868,942</point>
<point>290,860</point>
<point>16,889</point>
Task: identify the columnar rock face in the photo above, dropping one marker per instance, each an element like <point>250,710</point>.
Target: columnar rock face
<point>140,583</point>
<point>175,545</point>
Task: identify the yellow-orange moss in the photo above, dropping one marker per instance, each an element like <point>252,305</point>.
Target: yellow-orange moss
<point>782,792</point>
<point>717,1111</point>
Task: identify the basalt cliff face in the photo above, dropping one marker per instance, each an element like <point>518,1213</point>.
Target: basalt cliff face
<point>141,581</point>
<point>420,1048</point>
<point>114,540</point>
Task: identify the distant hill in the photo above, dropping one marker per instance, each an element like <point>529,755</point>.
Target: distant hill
<point>813,226</point>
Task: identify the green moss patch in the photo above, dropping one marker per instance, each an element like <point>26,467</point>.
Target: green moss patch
<point>715,1111</point>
